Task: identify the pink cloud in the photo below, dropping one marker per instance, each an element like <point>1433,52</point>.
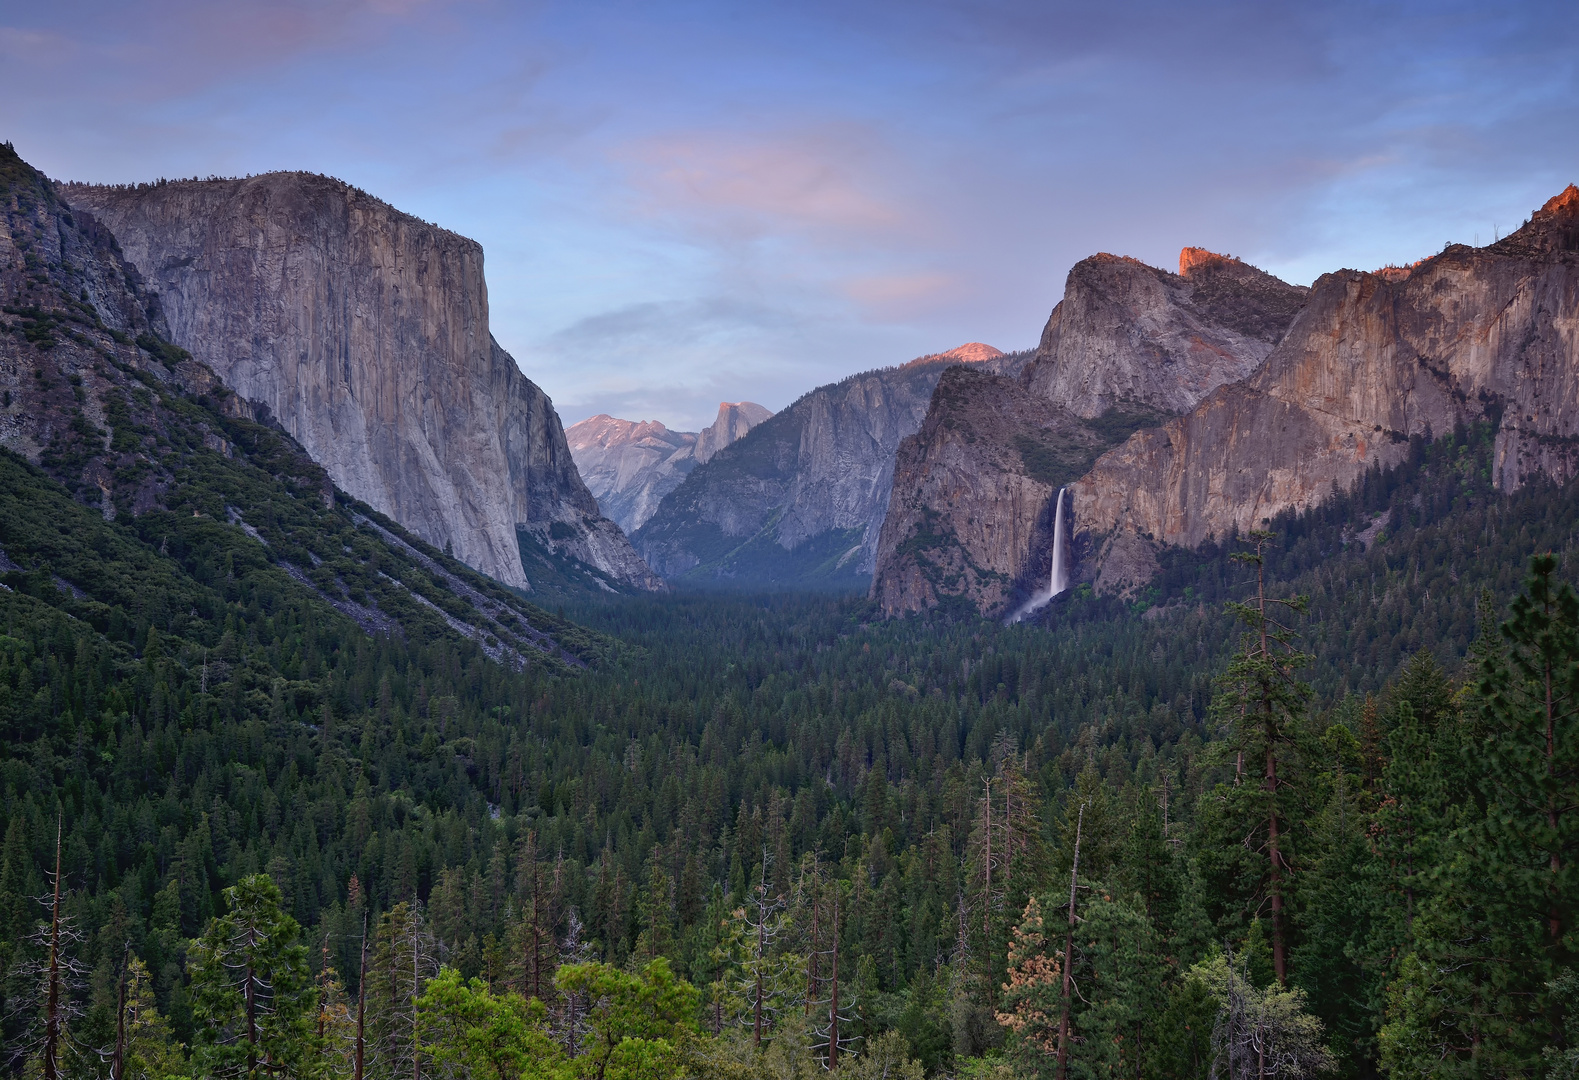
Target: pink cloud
<point>901,295</point>
<point>821,180</point>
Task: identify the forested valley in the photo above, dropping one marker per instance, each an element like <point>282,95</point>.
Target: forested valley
<point>1321,825</point>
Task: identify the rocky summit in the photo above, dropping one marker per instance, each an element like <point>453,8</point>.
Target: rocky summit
<point>629,465</point>
<point>1128,345</point>
<point>364,333</point>
<point>800,499</point>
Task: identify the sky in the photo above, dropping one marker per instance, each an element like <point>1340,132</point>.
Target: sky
<point>683,203</point>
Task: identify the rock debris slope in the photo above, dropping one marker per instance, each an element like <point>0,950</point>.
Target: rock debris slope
<point>629,465</point>
<point>970,520</point>
<point>364,331</point>
<point>799,500</point>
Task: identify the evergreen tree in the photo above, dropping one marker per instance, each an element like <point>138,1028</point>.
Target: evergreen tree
<point>1473,996</point>
<point>1260,702</point>
<point>252,990</point>
<point>468,1031</point>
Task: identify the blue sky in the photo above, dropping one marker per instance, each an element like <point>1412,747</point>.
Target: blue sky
<point>687,202</point>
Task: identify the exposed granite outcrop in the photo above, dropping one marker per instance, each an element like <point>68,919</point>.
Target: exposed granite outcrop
<point>801,499</point>
<point>1129,336</point>
<point>1129,344</point>
<point>96,398</point>
<point>970,516</point>
<point>734,419</point>
<point>1471,334</point>
<point>629,466</point>
<point>364,331</point>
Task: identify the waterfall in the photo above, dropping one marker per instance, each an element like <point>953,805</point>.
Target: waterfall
<point>1059,581</point>
<point>1060,578</point>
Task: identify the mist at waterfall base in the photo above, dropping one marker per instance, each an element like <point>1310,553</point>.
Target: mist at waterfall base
<point>1058,580</point>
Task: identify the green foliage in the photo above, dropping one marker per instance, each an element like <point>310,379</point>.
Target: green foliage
<point>198,714</point>
<point>252,992</point>
<point>1478,990</point>
<point>469,1031</point>
<point>634,1021</point>
<point>1058,458</point>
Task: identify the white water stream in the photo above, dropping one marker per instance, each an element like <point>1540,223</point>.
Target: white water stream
<point>1058,581</point>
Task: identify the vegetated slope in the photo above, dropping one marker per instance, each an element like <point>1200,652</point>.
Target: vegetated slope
<point>365,333</point>
<point>800,500</point>
<point>630,466</point>
<point>971,516</point>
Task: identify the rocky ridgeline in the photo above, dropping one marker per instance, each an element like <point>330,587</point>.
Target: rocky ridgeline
<point>95,397</point>
<point>1374,359</point>
<point>970,520</point>
<point>1276,396</point>
<point>364,332</point>
<point>630,465</point>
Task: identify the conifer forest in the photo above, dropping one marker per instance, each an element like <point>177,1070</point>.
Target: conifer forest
<point>1307,806</point>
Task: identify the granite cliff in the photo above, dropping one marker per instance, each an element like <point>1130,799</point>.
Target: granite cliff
<point>189,496</point>
<point>800,499</point>
<point>1127,335</point>
<point>629,465</point>
<point>970,519</point>
<point>364,333</point>
<point>1375,359</point>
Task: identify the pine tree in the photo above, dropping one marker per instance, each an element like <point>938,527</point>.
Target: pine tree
<point>1033,998</point>
<point>1474,995</point>
<point>1260,701</point>
<point>1261,1034</point>
<point>404,959</point>
<point>1121,979</point>
<point>151,1049</point>
<point>252,989</point>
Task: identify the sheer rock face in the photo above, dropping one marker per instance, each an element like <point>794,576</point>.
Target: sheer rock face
<point>971,512</point>
<point>802,497</point>
<point>968,508</point>
<point>735,418</point>
<point>365,333</point>
<point>1127,335</point>
<point>629,466</point>
<point>1373,360</point>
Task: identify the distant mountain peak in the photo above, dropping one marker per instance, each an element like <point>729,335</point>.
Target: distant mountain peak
<point>630,465</point>
<point>973,352</point>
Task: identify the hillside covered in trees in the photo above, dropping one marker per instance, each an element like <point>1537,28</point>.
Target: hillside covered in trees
<point>725,836</point>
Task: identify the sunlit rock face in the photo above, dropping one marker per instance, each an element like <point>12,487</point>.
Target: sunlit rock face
<point>970,519</point>
<point>1374,359</point>
<point>800,499</point>
<point>630,465</point>
<point>365,333</point>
